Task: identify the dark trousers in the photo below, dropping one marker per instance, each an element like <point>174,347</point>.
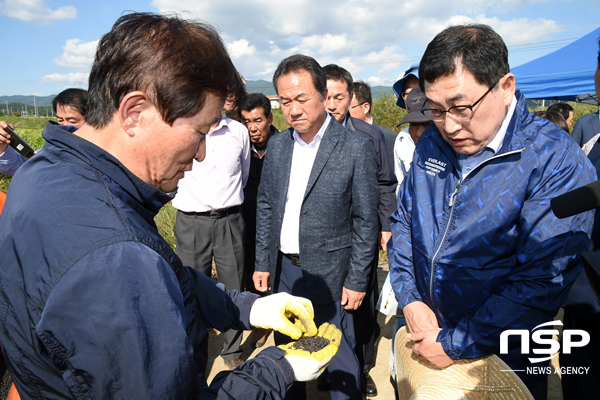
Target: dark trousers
<point>344,369</point>
<point>199,239</point>
<point>250,257</point>
<point>365,322</point>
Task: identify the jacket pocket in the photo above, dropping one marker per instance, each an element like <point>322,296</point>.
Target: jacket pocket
<point>339,242</point>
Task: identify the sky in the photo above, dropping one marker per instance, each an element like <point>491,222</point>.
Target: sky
<point>47,46</point>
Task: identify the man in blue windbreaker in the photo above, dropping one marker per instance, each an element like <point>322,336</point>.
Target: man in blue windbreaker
<point>476,249</point>
<point>96,304</point>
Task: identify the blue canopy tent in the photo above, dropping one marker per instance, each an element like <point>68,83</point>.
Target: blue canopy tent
<point>566,74</point>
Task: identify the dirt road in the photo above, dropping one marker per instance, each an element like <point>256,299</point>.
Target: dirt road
<point>379,373</point>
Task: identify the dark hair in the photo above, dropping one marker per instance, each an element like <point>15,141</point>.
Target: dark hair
<point>557,119</point>
<point>336,73</point>
<point>254,100</point>
<point>563,109</point>
<point>297,63</point>
<point>175,62</point>
<point>475,47</point>
<point>540,113</point>
<point>362,91</point>
<point>74,98</point>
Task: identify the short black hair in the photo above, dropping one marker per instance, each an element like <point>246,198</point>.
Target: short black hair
<point>362,92</point>
<point>74,98</point>
<point>300,62</point>
<point>255,100</point>
<point>176,62</point>
<point>563,109</point>
<point>476,47</point>
<point>336,73</point>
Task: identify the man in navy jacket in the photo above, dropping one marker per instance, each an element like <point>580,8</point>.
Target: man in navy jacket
<point>96,304</point>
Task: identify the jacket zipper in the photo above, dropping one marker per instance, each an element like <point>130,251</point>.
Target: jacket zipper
<point>451,205</point>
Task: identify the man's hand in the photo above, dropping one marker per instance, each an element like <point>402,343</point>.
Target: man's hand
<point>384,238</point>
<point>351,299</point>
<point>428,348</point>
<point>277,311</point>
<point>4,137</point>
<point>308,366</point>
<point>419,317</point>
<point>261,281</point>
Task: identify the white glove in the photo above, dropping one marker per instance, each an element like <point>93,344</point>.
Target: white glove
<point>275,312</point>
<point>308,366</point>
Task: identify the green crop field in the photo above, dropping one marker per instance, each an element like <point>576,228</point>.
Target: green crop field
<point>385,112</point>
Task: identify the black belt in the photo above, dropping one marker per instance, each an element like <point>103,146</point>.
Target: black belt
<point>216,214</point>
<point>294,258</point>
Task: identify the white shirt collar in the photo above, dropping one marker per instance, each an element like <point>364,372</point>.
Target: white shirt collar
<point>318,136</point>
<point>497,141</point>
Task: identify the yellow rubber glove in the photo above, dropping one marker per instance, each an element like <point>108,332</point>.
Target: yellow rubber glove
<point>308,366</point>
<point>277,311</point>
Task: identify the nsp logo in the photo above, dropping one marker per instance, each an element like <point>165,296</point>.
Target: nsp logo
<point>544,337</point>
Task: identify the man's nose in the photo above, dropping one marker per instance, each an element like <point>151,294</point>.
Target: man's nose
<point>451,125</point>
<point>331,106</point>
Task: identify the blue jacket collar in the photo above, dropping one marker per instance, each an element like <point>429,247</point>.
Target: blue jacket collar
<point>65,145</point>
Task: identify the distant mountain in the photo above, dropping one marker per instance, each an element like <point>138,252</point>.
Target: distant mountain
<point>260,86</point>
<point>266,88</point>
<point>40,101</point>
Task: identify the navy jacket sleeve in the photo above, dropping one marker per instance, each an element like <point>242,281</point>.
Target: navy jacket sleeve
<point>385,173</point>
<point>10,161</point>
<point>126,335</point>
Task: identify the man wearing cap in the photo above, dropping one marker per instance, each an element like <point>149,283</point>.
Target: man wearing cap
<point>404,85</point>
<point>476,249</point>
<point>407,139</point>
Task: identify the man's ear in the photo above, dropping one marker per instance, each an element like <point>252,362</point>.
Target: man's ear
<point>509,87</point>
<point>270,119</point>
<point>367,109</point>
<point>130,109</point>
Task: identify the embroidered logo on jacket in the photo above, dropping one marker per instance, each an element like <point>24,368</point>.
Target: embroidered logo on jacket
<point>434,166</point>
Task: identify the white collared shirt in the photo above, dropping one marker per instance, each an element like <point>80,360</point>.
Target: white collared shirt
<point>218,181</point>
<point>303,158</point>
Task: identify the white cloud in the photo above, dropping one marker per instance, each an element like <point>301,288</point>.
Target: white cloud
<point>35,94</point>
<point>35,11</point>
<point>379,81</point>
<point>240,48</point>
<point>77,54</point>
<point>370,38</point>
<point>73,79</point>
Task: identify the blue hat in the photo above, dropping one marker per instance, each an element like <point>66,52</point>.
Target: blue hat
<point>399,85</point>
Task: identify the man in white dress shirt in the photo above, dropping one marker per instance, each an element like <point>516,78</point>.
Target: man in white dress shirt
<point>210,223</point>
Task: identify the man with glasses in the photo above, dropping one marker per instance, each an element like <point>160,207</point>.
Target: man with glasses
<point>360,108</point>
<point>476,250</point>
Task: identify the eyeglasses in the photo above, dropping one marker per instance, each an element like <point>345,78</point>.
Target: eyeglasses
<point>405,93</point>
<point>459,113</point>
<point>358,105</point>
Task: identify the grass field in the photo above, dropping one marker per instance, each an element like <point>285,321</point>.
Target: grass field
<point>385,112</point>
